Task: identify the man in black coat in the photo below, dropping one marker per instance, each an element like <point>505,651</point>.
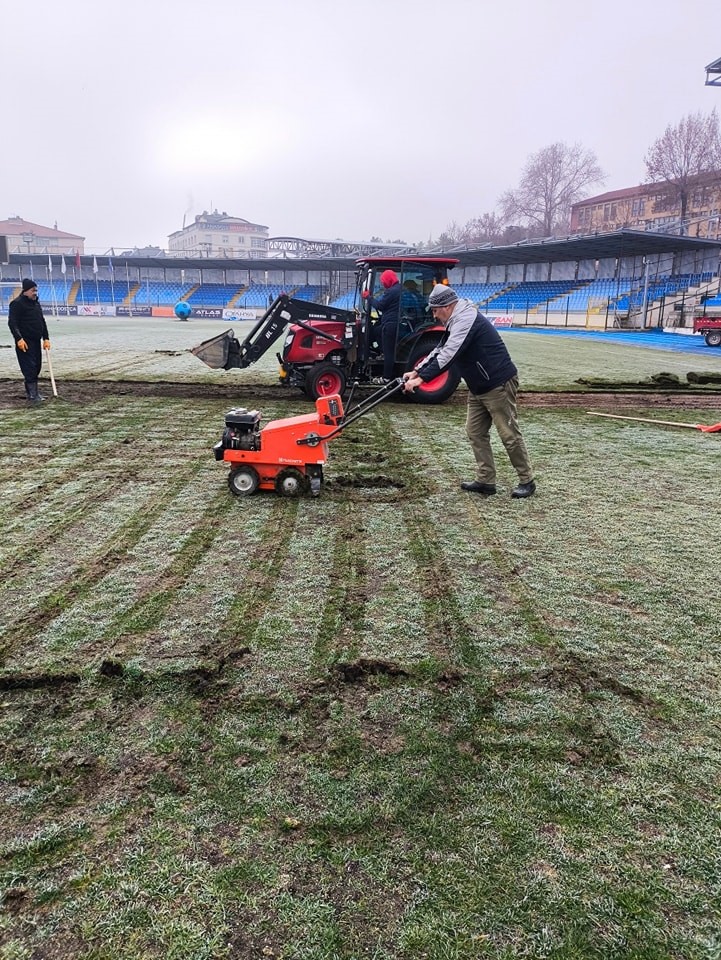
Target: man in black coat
<point>30,332</point>
<point>473,344</point>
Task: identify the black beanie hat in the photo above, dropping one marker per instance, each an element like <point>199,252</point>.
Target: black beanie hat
<point>28,284</point>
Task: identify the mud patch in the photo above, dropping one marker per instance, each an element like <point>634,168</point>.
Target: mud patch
<point>84,391</point>
<point>379,481</point>
<point>27,680</point>
<point>360,670</point>
<point>590,680</point>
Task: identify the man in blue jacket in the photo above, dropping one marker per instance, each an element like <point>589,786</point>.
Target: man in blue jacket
<point>388,306</point>
<point>474,345</point>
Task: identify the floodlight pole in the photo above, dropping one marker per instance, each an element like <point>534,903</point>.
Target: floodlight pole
<point>645,292</point>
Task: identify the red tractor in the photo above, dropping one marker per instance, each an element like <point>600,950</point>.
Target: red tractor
<point>325,347</point>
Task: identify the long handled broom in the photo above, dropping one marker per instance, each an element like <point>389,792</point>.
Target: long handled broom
<point>713,428</point>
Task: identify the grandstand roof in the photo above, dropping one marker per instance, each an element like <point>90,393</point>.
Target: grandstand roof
<point>201,263</point>
<point>714,68</point>
<point>601,246</point>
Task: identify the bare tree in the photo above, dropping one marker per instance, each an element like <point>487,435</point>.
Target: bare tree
<point>682,155</point>
<point>552,180</point>
<point>487,228</point>
<point>452,235</point>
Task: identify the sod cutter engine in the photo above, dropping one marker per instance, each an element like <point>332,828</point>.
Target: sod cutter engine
<point>287,455</point>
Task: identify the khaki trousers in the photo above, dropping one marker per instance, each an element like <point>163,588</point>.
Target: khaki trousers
<point>497,408</point>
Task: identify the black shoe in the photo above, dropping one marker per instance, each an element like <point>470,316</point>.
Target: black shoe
<point>524,489</point>
<point>475,486</point>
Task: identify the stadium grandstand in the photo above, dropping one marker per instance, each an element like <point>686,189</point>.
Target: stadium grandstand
<point>641,279</point>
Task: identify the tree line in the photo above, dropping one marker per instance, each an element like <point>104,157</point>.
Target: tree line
<point>559,175</point>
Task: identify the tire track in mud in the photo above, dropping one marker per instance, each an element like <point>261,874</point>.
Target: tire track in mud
<point>262,569</point>
<point>365,548</point>
<point>503,589</point>
<point>82,578</point>
<point>15,557</point>
<point>137,623</point>
<point>45,514</point>
<point>341,622</point>
<point>212,614</point>
<point>449,635</point>
<point>134,642</point>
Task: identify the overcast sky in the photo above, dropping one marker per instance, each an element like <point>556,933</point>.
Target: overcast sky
<point>328,118</point>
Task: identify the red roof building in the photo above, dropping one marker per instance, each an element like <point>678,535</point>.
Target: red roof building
<point>26,237</point>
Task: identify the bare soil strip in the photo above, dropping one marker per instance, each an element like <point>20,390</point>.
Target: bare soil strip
<point>84,391</point>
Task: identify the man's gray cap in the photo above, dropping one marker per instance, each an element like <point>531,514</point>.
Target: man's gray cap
<point>442,296</point>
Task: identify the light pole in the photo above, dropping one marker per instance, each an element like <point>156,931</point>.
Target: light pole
<point>645,292</point>
<point>27,238</point>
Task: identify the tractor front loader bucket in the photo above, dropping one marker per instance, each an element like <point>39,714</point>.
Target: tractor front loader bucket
<point>217,351</point>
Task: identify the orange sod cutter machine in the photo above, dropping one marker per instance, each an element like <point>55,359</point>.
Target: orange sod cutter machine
<point>287,455</point>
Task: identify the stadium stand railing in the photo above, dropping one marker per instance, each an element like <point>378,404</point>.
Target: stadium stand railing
<point>260,295</point>
<point>153,294</point>
<point>313,293</point>
<point>214,294</point>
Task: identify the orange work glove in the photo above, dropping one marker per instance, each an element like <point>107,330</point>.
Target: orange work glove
<point>21,345</point>
<point>46,344</point>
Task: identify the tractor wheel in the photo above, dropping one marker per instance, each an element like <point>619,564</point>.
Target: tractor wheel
<point>244,481</point>
<point>291,483</point>
<point>713,338</point>
<point>324,379</point>
<point>435,391</point>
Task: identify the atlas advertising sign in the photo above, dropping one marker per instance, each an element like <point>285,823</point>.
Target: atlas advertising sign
<point>208,313</point>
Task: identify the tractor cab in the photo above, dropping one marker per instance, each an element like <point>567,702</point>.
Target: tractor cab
<point>417,277</point>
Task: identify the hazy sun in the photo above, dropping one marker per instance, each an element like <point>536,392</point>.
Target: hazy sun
<point>212,145</point>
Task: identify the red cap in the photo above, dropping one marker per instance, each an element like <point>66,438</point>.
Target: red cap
<point>388,278</point>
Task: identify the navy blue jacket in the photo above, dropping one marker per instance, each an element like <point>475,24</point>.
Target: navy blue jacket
<point>475,347</point>
<point>389,304</point>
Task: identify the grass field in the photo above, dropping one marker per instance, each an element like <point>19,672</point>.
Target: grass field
<point>396,721</point>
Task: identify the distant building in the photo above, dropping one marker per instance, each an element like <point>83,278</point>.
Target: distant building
<point>141,252</point>
<point>650,206</point>
<point>218,235</point>
<point>26,237</point>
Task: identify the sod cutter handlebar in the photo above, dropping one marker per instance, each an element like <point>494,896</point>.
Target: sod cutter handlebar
<point>360,410</point>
